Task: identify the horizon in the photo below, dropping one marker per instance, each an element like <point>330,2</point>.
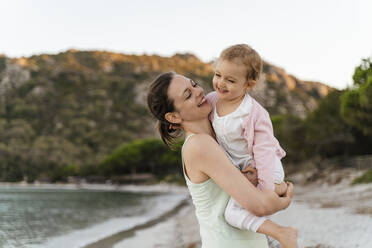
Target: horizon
<point>312,41</point>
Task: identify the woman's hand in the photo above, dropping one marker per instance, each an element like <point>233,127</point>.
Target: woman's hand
<point>281,188</point>
<point>289,192</point>
<point>251,174</point>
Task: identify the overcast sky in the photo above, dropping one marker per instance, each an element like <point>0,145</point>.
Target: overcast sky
<point>319,40</point>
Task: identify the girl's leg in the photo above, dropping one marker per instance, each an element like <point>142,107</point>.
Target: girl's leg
<point>240,218</point>
<point>287,236</point>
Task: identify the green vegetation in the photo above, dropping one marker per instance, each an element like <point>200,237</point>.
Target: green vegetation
<point>2,62</point>
<point>327,135</point>
<point>339,127</point>
<point>142,156</point>
<point>83,114</point>
<point>357,103</point>
<point>75,108</point>
<point>289,130</point>
<point>365,178</point>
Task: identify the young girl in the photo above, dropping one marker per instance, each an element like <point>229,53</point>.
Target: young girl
<point>243,128</point>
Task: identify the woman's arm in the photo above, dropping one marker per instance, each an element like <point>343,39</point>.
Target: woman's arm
<point>202,154</point>
<point>251,174</point>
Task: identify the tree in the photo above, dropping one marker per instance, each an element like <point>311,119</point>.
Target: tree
<point>289,130</point>
<point>142,156</point>
<point>356,108</point>
<point>327,134</point>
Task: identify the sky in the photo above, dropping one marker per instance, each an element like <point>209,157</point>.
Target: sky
<point>319,40</point>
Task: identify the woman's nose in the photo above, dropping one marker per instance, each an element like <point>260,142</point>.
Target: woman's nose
<point>199,91</point>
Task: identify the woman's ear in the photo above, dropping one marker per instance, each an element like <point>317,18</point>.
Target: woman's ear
<point>173,117</point>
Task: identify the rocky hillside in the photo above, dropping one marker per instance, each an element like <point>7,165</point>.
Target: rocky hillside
<point>282,93</point>
<point>77,106</point>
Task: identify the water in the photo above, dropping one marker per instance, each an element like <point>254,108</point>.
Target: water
<point>31,217</point>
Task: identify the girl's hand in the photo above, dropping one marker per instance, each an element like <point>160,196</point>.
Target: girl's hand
<point>251,174</point>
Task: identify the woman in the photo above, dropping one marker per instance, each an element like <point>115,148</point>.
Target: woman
<point>180,106</point>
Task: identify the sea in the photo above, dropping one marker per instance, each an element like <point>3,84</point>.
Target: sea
<point>41,217</point>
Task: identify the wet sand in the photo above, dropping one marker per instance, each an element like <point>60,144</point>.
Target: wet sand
<point>178,231</point>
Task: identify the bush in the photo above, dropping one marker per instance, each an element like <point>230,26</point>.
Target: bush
<point>289,130</point>
<point>327,134</point>
<point>141,156</point>
<point>10,171</point>
<point>2,63</point>
<point>365,178</point>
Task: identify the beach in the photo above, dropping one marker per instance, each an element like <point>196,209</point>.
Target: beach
<point>326,215</point>
<point>70,215</point>
<point>179,230</point>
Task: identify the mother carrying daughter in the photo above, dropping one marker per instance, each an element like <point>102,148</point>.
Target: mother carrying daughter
<point>244,130</point>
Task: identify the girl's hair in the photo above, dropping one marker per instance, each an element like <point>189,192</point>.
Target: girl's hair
<point>159,104</point>
<point>248,56</point>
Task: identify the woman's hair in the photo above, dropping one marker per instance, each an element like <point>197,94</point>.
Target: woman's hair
<point>159,104</point>
<point>246,55</point>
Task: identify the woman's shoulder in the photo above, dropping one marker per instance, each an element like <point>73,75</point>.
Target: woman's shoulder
<point>198,141</point>
<point>198,145</point>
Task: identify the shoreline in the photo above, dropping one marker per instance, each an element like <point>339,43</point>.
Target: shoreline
<point>180,230</point>
<point>321,211</point>
<point>116,238</point>
<point>104,234</point>
<point>319,225</point>
<point>134,188</point>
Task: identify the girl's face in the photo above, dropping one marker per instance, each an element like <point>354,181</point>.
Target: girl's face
<point>188,98</point>
<point>229,80</point>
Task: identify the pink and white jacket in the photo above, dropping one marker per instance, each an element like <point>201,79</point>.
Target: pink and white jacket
<point>262,146</point>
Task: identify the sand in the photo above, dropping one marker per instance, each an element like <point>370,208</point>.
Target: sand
<point>178,231</point>
<point>325,215</point>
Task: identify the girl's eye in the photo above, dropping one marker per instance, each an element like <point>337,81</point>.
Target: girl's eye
<point>194,84</point>
<point>217,75</point>
<point>231,81</point>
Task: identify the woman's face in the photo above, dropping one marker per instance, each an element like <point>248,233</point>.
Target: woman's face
<point>188,98</point>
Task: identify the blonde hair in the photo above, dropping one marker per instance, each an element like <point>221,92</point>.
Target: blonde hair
<point>246,55</point>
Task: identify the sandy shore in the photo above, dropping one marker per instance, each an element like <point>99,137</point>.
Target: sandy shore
<point>180,230</point>
<point>326,216</point>
<point>319,226</point>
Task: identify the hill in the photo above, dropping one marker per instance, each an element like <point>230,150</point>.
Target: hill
<point>75,107</point>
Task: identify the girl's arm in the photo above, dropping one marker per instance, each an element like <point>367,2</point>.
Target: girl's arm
<point>203,154</point>
<point>264,149</point>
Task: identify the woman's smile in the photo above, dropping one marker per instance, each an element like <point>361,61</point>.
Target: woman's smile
<point>202,102</point>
